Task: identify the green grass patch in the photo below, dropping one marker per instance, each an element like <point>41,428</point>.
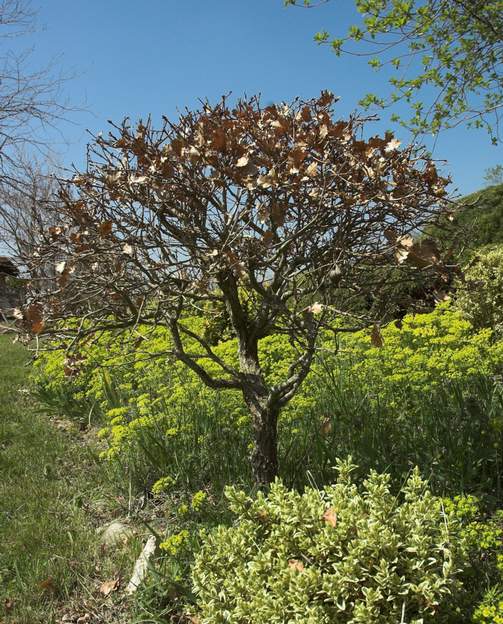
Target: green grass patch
<point>53,497</point>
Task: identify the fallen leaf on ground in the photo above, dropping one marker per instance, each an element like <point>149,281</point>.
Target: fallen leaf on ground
<point>326,426</point>
<point>8,604</point>
<point>47,585</point>
<point>376,338</point>
<point>108,587</point>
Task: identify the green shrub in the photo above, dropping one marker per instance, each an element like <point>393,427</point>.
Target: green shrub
<point>481,539</point>
<point>480,296</point>
<point>430,396</point>
<point>427,397</point>
<point>336,555</point>
<point>490,610</point>
<point>426,351</point>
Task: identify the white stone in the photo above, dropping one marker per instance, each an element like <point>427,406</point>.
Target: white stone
<point>115,533</point>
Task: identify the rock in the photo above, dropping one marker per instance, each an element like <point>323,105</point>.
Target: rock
<point>141,565</point>
<point>115,533</point>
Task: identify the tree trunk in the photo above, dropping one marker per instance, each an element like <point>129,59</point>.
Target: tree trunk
<point>264,456</point>
<point>264,409</point>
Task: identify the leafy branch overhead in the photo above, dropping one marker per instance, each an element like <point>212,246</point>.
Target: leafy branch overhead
<point>445,58</point>
<point>282,215</point>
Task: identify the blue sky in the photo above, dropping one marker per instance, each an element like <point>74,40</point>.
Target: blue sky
<point>156,56</point>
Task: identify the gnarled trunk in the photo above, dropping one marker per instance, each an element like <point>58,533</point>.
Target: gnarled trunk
<point>264,411</point>
<point>263,405</point>
<point>264,456</point>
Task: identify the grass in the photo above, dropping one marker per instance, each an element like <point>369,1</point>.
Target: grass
<point>53,497</point>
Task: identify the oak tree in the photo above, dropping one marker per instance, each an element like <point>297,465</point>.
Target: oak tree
<point>283,214</point>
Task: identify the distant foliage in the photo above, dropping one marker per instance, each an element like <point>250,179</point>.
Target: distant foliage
<point>494,175</point>
<point>480,295</point>
<point>477,223</point>
<point>342,554</point>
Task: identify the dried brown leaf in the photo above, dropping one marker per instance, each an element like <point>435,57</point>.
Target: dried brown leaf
<point>243,161</point>
<point>219,141</point>
<point>305,114</point>
<point>330,517</point>
<point>425,252</point>
<point>326,426</point>
<point>105,228</point>
<point>323,132</point>
<point>177,146</point>
<point>295,564</point>
<point>55,231</point>
<point>47,585</point>
<point>108,587</point>
<point>278,213</point>
<point>392,145</point>
<point>262,515</point>
<point>268,238</point>
<point>404,247</point>
<point>37,327</point>
<point>316,308</point>
<point>33,313</point>
<point>326,98</point>
<point>8,604</point>
<point>312,170</point>
<point>376,337</point>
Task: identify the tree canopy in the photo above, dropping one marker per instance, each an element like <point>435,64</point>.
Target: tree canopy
<point>445,58</point>
<point>282,214</point>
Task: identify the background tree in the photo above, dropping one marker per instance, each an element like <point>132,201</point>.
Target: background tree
<point>25,208</point>
<point>494,175</point>
<point>31,102</point>
<point>283,215</point>
<point>446,55</point>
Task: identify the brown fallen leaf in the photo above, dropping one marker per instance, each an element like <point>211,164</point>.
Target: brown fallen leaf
<point>108,587</point>
<point>37,327</point>
<point>8,604</point>
<point>312,169</point>
<point>243,161</point>
<point>47,585</point>
<point>330,517</point>
<point>262,515</point>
